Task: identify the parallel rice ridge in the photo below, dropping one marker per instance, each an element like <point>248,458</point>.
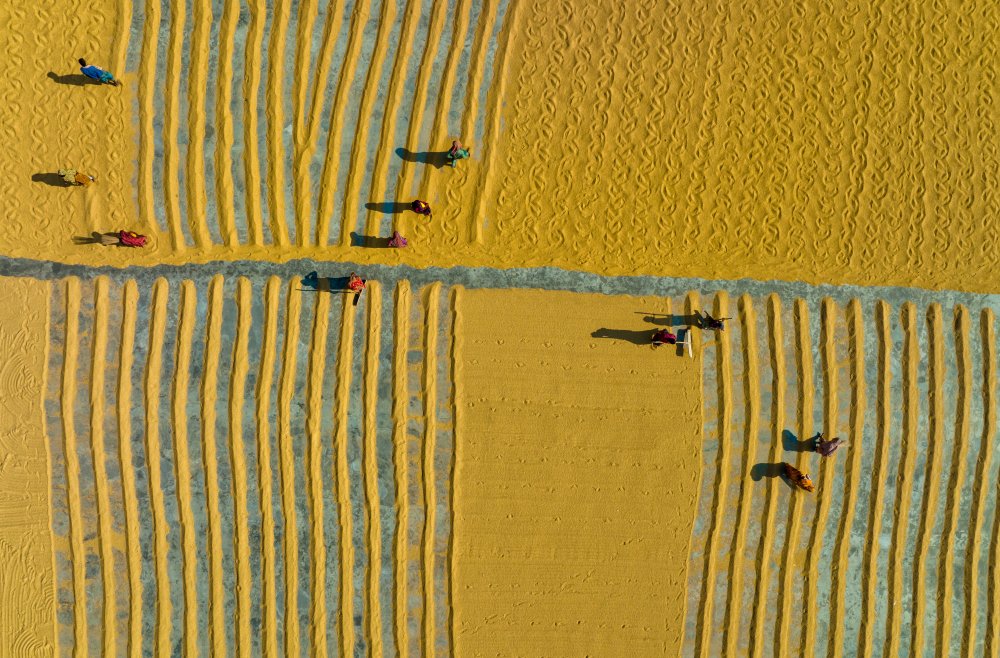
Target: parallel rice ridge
<point>904,488</point>
<point>498,90</point>
<point>720,486</point>
<point>947,559</point>
<point>345,621</point>
<point>870,575</point>
<point>360,146</point>
<point>328,175</point>
<point>77,550</point>
<point>431,304</point>
<point>399,434</point>
<point>146,94</point>
<point>224,125</point>
<point>300,88</point>
<point>198,82</point>
<point>269,643</point>
<point>380,171</point>
<point>97,404</point>
<point>241,539</point>
<point>992,643</point>
<point>856,351</point>
<point>287,467</point>
<point>276,123</point>
<point>210,378</point>
<point>777,355</point>
<point>456,367</point>
<point>828,356</point>
<point>182,463</point>
<point>314,410</point>
<point>984,466</point>
<point>371,471</point>
<point>804,376</point>
<point>133,551</point>
<point>935,406</point>
<point>251,148</point>
<point>751,397</point>
<point>154,365</point>
<point>171,118</point>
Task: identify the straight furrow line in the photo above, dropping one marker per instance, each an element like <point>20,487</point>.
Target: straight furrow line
<point>427,476</point>
<point>947,560</point>
<point>828,354</point>
<point>456,368</point>
<point>804,371</point>
<point>237,392</point>
<point>251,148</point>
<point>133,552</point>
<point>269,642</point>
<point>154,366</point>
<point>99,355</point>
<point>399,420</point>
<point>935,438</point>
<point>303,52</point>
<point>314,413</point>
<point>498,90</point>
<point>373,502</point>
<point>171,112</point>
<point>871,576</point>
<point>484,28</point>
<point>776,339</point>
<point>359,150</point>
<point>210,383</point>
<point>988,329</point>
<point>276,122</point>
<point>198,83</point>
<point>345,621</point>
<point>320,73</point>
<point>904,487</point>
<point>852,477</point>
<point>182,464</point>
<point>380,172</point>
<point>703,636</point>
<point>146,93</point>
<point>331,161</point>
<point>286,455</point>
<point>224,125</point>
<point>78,556</point>
<point>751,397</point>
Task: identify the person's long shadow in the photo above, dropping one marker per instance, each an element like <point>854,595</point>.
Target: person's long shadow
<point>668,320</point>
<point>770,470</point>
<point>388,207</point>
<point>93,238</point>
<point>314,282</point>
<point>55,180</point>
<point>74,79</point>
<point>641,337</point>
<point>791,443</point>
<point>436,159</point>
<point>358,240</point>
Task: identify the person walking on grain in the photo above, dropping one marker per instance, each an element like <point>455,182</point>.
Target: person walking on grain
<point>97,73</point>
<point>74,177</point>
<point>421,207</point>
<point>456,153</point>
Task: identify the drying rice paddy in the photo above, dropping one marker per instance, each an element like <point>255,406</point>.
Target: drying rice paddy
<point>203,454</point>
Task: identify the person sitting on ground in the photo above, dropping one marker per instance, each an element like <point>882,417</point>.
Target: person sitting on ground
<point>124,239</point>
<point>421,207</point>
<point>355,283</point>
<point>74,177</point>
<point>397,240</point>
<point>800,479</point>
<point>663,337</point>
<point>456,153</point>
<point>824,447</point>
<point>97,73</point>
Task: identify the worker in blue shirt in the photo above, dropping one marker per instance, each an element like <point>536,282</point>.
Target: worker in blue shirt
<point>97,73</point>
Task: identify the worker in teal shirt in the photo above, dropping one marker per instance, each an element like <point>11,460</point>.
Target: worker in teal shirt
<point>97,73</point>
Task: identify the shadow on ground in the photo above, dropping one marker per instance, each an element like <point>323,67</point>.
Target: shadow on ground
<point>371,241</point>
<point>74,79</point>
<point>667,320</point>
<point>770,470</point>
<point>791,443</point>
<point>642,337</point>
<point>436,159</point>
<point>53,179</point>
<point>388,207</point>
